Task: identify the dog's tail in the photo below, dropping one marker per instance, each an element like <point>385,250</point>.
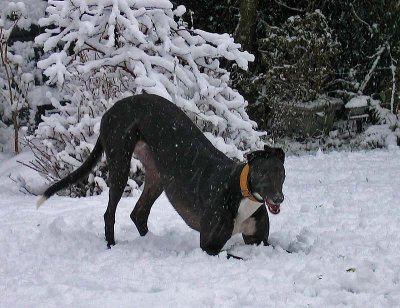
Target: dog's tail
<point>73,177</point>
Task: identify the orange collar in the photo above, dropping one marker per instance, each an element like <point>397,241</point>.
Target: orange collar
<point>244,187</point>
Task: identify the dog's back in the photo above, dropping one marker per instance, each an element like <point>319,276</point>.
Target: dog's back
<point>168,131</point>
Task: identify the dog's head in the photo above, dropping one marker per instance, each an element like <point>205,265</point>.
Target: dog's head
<point>266,176</point>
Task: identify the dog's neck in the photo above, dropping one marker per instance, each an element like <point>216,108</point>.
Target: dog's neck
<point>244,185</point>
<point>248,203</point>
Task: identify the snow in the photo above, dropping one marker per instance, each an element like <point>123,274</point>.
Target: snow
<point>322,101</point>
<point>180,10</point>
<point>358,101</point>
<point>340,219</point>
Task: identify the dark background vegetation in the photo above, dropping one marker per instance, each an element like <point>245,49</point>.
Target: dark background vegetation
<point>309,54</point>
<point>311,58</point>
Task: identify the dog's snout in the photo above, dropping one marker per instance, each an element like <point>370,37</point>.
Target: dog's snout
<point>278,198</point>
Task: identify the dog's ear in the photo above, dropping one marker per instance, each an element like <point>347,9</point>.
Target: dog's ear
<point>278,152</point>
<point>267,148</point>
<point>268,152</point>
<point>256,154</point>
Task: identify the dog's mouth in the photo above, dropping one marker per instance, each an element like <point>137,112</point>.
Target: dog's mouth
<point>272,207</point>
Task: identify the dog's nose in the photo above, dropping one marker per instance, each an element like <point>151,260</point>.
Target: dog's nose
<point>278,198</point>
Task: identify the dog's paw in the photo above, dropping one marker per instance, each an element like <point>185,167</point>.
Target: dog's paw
<point>110,243</point>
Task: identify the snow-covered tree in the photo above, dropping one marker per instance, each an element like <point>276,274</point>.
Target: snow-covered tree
<point>108,49</point>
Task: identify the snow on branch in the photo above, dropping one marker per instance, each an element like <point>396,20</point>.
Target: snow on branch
<point>393,69</point>
<point>377,56</point>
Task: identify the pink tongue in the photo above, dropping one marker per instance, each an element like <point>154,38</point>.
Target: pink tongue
<point>273,208</point>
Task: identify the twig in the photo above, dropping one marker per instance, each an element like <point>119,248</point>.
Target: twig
<point>22,186</point>
<point>288,7</point>
<point>360,20</point>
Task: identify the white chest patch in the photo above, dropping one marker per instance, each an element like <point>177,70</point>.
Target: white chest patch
<point>244,224</point>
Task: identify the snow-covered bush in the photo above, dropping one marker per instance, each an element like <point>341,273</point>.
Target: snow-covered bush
<point>386,131</point>
<point>20,79</point>
<point>113,48</point>
<point>15,84</point>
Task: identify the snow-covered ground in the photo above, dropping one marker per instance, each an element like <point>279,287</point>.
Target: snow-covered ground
<point>340,219</point>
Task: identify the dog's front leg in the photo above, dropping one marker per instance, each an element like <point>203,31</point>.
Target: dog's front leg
<point>261,231</point>
<point>215,231</point>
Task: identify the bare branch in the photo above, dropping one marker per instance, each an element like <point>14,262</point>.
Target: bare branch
<point>367,78</point>
<point>288,7</point>
<point>393,70</point>
<point>360,20</point>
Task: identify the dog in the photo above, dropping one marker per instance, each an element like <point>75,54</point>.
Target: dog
<point>212,193</point>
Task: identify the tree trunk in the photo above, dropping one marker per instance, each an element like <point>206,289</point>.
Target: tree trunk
<point>245,33</point>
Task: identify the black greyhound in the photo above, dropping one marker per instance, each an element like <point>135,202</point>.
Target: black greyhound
<point>213,194</point>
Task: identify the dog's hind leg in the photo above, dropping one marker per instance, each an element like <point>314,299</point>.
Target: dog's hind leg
<point>152,188</point>
<point>140,214</point>
<point>118,160</point>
